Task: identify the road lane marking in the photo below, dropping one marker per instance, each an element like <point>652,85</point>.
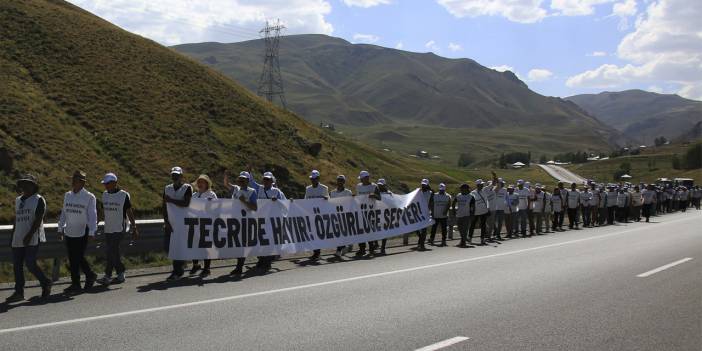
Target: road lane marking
<point>442,344</point>
<point>314,285</point>
<point>664,267</point>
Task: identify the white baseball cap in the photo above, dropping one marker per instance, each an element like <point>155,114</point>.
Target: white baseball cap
<point>244,174</point>
<point>108,178</point>
<point>425,181</point>
<point>314,174</point>
<point>478,181</point>
<point>442,186</point>
<point>176,170</point>
<point>268,175</point>
<point>381,181</point>
<point>363,174</point>
<point>520,181</point>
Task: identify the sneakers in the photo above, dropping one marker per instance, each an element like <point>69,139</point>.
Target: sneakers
<point>173,277</point>
<point>193,271</point>
<point>119,279</point>
<point>73,289</point>
<point>105,280</point>
<point>90,281</point>
<point>205,273</point>
<point>46,289</point>
<point>15,297</point>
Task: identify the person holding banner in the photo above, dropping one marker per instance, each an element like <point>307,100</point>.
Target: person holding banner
<point>340,191</point>
<point>427,195</point>
<point>116,208</point>
<point>316,191</point>
<point>203,184</point>
<point>461,206</point>
<point>248,197</point>
<point>384,191</point>
<point>439,211</point>
<point>77,225</point>
<point>178,194</point>
<point>27,233</point>
<point>370,190</point>
<point>480,212</point>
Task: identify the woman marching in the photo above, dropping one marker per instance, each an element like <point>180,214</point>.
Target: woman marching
<point>203,186</point>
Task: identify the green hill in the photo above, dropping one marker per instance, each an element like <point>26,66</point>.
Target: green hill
<point>643,115</point>
<point>443,105</point>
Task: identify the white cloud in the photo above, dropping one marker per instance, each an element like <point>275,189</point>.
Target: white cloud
<point>365,38</point>
<point>624,10</point>
<point>539,74</point>
<point>455,47</point>
<point>522,11</point>
<point>174,22</point>
<point>502,68</point>
<point>431,45</point>
<point>597,54</point>
<point>576,7</point>
<point>366,3</point>
<point>399,45</point>
<point>666,46</point>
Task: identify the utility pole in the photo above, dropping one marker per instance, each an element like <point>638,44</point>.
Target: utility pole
<point>270,84</point>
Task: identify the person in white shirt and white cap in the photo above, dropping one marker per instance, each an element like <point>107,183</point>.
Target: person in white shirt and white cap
<point>316,190</point>
<point>269,190</point>
<point>439,211</point>
<point>461,206</point>
<point>118,215</point>
<point>367,189</point>
<point>538,208</point>
<point>27,234</point>
<point>480,213</point>
<point>427,194</point>
<point>499,206</point>
<point>572,203</point>
<point>489,193</point>
<point>340,191</point>
<point>248,198</point>
<point>524,203</point>
<point>179,194</point>
<point>78,224</point>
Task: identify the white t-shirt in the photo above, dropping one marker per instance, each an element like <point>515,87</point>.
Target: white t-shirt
<point>490,197</point>
<point>319,192</point>
<point>481,205</point>
<point>113,209</point>
<point>557,202</point>
<point>538,204</point>
<point>511,203</point>
<point>441,205</point>
<point>523,195</point>
<point>343,193</point>
<point>585,197</point>
<point>25,214</point>
<point>573,197</point>
<point>636,199</point>
<point>365,189</point>
<point>463,205</point>
<point>649,196</point>
<point>78,215</point>
<point>500,198</point>
<point>209,194</point>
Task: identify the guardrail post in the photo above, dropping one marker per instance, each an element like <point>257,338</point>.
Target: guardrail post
<point>405,239</point>
<point>56,269</point>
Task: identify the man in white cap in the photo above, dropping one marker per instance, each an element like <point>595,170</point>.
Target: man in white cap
<point>585,199</point>
<point>611,203</point>
<point>538,208</point>
<point>340,191</point>
<point>268,191</point>
<point>572,202</point>
<point>511,210</point>
<point>649,197</point>
<point>427,194</point>
<point>480,213</point>
<point>439,211</point>
<point>530,208</point>
<point>489,194</point>
<point>179,194</point>
<point>369,190</point>
<point>77,225</point>
<point>524,202</point>
<point>119,219</point>
<point>27,233</point>
<point>248,198</point>
<point>316,191</point>
<point>461,206</point>
<point>499,206</point>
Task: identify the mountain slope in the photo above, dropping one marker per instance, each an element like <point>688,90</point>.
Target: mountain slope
<point>643,115</point>
<point>77,92</point>
<point>356,85</point>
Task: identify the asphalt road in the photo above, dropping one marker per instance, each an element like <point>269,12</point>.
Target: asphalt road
<point>563,175</point>
<point>577,290</point>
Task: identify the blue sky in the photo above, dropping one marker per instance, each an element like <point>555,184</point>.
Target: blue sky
<point>558,47</point>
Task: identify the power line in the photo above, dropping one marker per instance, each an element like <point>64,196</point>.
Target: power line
<point>270,84</point>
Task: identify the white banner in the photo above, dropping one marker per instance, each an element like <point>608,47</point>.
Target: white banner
<point>225,228</point>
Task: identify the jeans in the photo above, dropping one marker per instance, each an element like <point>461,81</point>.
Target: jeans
<point>421,237</point>
<point>463,223</point>
<point>586,216</point>
<point>443,223</point>
<point>557,220</point>
<point>530,217</point>
<point>522,216</point>
<point>22,256</point>
<point>572,218</point>
<point>490,222</point>
<point>499,219</point>
<point>114,259</point>
<point>610,214</point>
<point>76,258</point>
<point>636,213</point>
<point>483,227</point>
<point>538,217</point>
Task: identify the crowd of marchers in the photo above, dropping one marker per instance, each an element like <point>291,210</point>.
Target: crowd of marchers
<point>497,209</point>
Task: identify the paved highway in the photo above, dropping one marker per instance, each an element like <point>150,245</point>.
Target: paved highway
<point>562,175</point>
<point>625,287</point>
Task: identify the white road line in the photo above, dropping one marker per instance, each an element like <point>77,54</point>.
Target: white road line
<point>313,285</point>
<point>662,268</point>
<point>442,344</point>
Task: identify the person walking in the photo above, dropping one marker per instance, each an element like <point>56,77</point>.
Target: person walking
<point>538,208</point>
<point>461,206</point>
<point>77,225</point>
<point>572,202</point>
<point>611,203</point>
<point>649,196</point>
<point>340,191</point>
<point>426,194</point>
<point>118,216</point>
<point>248,198</point>
<point>27,234</point>
<point>367,189</point>
<point>203,190</point>
<point>316,190</point>
<point>500,204</point>
<point>548,210</point>
<point>384,192</point>
<point>511,209</point>
<point>623,206</point>
<point>522,209</point>
<point>585,208</point>
<point>439,211</point>
<point>489,194</point>
<point>636,204</point>
<point>178,194</point>
<point>480,212</point>
<point>557,205</point>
